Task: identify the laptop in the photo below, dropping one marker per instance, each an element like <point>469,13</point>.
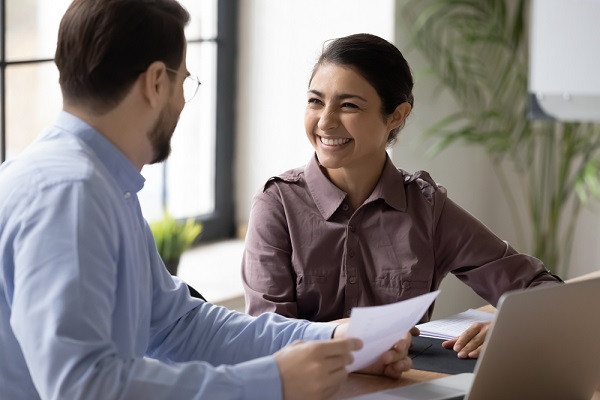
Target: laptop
<point>543,344</point>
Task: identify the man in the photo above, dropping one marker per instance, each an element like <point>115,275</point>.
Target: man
<point>87,309</point>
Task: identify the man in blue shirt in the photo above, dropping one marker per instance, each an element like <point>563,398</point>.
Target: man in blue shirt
<point>87,308</point>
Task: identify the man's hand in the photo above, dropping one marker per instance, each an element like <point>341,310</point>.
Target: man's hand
<point>315,369</point>
<point>468,344</point>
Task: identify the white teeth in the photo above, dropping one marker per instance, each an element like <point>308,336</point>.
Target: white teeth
<point>334,141</point>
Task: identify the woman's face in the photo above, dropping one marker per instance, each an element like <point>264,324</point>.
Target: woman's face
<point>343,119</point>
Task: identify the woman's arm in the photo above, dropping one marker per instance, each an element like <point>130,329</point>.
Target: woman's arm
<point>267,273</point>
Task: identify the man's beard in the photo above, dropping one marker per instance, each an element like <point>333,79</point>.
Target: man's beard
<point>161,133</point>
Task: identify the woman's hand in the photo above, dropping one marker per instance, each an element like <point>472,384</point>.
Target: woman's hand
<point>469,343</point>
<point>392,363</point>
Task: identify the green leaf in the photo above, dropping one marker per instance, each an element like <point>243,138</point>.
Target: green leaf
<point>173,237</point>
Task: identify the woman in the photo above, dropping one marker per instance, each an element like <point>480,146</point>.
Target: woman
<point>350,229</point>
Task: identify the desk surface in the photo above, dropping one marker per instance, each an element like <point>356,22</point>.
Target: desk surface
<point>358,384</point>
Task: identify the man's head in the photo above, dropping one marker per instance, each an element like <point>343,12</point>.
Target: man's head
<point>104,45</point>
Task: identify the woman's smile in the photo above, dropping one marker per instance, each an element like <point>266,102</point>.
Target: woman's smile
<point>330,141</point>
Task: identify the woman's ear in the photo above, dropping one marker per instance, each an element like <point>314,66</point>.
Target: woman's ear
<point>399,115</point>
<point>155,83</point>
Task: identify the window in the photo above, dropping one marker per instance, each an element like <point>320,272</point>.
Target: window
<point>196,181</point>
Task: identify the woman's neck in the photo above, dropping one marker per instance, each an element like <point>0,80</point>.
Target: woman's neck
<point>357,181</point>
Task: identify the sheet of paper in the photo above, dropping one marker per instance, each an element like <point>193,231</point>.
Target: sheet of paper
<point>379,327</point>
<point>452,326</point>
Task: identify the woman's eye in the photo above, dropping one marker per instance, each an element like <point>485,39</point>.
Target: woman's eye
<point>314,101</point>
<point>349,105</point>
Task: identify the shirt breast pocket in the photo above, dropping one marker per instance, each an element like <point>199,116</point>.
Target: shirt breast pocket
<point>393,286</point>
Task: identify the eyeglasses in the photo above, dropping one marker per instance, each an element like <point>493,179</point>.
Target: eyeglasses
<point>191,83</point>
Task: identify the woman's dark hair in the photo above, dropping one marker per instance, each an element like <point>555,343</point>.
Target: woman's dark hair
<point>379,62</point>
<point>104,45</point>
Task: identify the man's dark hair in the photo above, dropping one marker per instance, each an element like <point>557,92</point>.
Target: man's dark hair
<point>104,45</point>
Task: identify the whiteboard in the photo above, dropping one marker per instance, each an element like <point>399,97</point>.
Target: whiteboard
<point>564,60</point>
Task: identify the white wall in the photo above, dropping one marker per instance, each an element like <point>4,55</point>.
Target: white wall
<point>279,43</point>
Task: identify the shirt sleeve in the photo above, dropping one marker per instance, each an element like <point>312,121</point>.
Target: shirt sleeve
<point>61,317</point>
<point>267,273</point>
<point>479,258</point>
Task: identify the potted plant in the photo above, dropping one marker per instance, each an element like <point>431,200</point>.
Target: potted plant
<point>173,237</point>
<point>479,51</point>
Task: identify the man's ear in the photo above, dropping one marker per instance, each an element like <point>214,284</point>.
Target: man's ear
<point>399,115</point>
<point>156,83</point>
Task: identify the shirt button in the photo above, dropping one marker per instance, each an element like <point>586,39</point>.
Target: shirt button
<point>352,279</point>
<point>345,207</point>
<point>405,285</point>
<point>127,195</point>
<point>351,253</point>
<point>352,229</point>
<point>348,313</point>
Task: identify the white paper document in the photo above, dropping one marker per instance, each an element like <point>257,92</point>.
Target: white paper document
<point>379,327</point>
<point>452,326</point>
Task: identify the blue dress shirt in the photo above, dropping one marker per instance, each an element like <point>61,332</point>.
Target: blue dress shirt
<point>87,308</point>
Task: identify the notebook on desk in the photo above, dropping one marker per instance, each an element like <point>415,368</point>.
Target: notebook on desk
<point>543,344</point>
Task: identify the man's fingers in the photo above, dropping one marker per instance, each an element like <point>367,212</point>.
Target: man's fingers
<point>337,352</point>
<point>336,346</point>
<point>334,364</point>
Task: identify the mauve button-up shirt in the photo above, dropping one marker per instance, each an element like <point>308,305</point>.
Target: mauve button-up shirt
<point>309,255</point>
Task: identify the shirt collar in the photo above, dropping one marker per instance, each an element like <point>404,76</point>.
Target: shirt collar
<point>118,165</point>
<point>391,187</point>
<point>329,197</point>
<point>326,195</point>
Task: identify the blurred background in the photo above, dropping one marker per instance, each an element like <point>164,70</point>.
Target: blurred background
<point>534,183</point>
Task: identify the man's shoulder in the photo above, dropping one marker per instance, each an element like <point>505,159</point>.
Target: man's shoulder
<point>47,163</point>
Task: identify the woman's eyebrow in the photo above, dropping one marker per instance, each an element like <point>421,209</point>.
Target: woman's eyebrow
<point>342,96</point>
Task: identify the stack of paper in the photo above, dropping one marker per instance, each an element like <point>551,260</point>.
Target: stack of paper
<point>452,326</point>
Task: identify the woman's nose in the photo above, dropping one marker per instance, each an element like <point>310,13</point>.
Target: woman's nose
<point>328,120</point>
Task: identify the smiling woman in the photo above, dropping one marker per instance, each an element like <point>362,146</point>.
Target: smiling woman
<point>349,228</point>
<point>349,130</point>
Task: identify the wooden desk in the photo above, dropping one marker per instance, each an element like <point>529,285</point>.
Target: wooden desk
<point>358,384</point>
